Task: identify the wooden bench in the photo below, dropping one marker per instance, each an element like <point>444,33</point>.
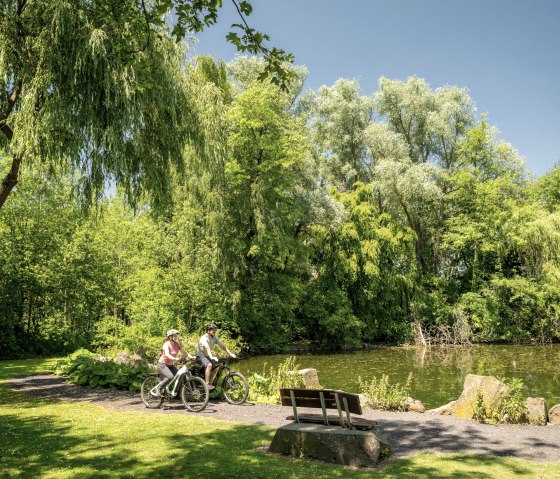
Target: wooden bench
<point>345,403</point>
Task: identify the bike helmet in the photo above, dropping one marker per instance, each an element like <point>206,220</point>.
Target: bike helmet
<point>211,326</point>
<point>171,332</point>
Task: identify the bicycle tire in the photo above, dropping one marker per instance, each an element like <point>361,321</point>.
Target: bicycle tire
<point>149,400</point>
<point>194,394</point>
<point>235,388</point>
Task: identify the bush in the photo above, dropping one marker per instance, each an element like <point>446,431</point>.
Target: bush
<point>264,387</point>
<point>85,369</point>
<point>511,409</point>
<point>389,397</point>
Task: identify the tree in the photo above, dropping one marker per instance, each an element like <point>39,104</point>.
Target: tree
<point>340,121</point>
<point>99,87</point>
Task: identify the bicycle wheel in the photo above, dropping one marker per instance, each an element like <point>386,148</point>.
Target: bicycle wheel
<point>235,388</point>
<point>194,394</point>
<point>151,401</point>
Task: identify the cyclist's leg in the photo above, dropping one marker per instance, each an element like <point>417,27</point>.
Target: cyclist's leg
<point>167,373</point>
<point>208,365</point>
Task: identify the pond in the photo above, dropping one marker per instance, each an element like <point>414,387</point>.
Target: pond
<point>438,372</point>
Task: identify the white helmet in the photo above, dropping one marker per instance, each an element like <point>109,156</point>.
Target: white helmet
<point>171,332</point>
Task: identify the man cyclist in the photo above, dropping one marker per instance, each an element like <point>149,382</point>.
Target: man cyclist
<point>204,352</point>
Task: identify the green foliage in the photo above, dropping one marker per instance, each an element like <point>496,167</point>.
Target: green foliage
<point>85,369</point>
<point>380,394</point>
<point>511,409</point>
<point>332,218</point>
<point>264,387</point>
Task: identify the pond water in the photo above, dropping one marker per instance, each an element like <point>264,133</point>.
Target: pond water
<point>438,372</point>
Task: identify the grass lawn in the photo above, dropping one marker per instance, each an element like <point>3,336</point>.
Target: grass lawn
<point>55,440</point>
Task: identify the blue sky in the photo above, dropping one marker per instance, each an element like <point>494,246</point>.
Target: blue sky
<point>506,52</point>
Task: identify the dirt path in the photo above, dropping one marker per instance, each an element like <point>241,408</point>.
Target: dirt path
<point>406,433</point>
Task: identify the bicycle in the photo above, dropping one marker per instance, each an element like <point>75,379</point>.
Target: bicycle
<point>192,389</point>
<point>233,383</point>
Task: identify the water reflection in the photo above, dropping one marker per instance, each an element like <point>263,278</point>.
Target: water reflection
<point>438,372</point>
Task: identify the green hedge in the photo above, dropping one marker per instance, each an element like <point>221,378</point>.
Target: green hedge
<point>86,369</point>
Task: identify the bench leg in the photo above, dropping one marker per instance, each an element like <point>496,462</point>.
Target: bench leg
<point>293,397</point>
<point>324,408</point>
<point>336,398</point>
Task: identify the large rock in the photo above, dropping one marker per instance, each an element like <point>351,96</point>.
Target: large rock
<point>330,444</point>
<point>310,378</point>
<point>414,405</point>
<point>492,390</point>
<point>445,410</point>
<point>537,411</point>
<point>125,358</point>
<point>554,415</point>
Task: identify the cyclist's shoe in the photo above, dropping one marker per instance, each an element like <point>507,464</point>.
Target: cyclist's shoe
<point>211,387</point>
<point>156,392</point>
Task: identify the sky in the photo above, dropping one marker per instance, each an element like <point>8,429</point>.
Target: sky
<point>506,52</point>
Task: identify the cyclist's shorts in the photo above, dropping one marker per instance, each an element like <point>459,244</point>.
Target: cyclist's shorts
<point>205,361</point>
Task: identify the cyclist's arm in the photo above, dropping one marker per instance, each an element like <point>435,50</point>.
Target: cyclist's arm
<point>186,353</point>
<point>224,347</point>
<point>206,348</point>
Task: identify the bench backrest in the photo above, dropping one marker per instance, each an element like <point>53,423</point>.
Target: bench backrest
<point>311,398</point>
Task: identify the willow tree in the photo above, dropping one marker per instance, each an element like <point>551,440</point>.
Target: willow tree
<point>97,86</point>
<point>341,119</point>
<point>87,85</point>
<point>430,126</point>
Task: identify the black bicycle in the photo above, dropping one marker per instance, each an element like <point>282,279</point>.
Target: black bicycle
<point>192,390</point>
<point>234,385</point>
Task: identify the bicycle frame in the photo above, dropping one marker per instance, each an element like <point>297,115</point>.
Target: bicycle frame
<point>174,386</point>
<point>219,371</point>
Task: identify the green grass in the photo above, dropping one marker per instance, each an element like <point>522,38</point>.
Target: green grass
<point>40,439</point>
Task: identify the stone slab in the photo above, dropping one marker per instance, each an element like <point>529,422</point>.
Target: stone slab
<point>329,444</point>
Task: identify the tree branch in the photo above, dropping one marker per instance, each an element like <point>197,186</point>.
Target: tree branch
<point>10,179</point>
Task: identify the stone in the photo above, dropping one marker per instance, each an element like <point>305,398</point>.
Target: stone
<point>414,405</point>
<point>537,412</point>
<point>329,444</point>
<point>122,358</point>
<point>445,410</point>
<point>554,415</point>
<point>133,360</point>
<point>493,391</point>
<point>310,378</point>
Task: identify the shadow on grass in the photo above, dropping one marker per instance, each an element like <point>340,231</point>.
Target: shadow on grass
<point>56,442</point>
<point>34,447</point>
<point>21,367</point>
<point>160,447</point>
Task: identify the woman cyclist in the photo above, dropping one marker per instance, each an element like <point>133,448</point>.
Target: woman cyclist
<point>170,349</point>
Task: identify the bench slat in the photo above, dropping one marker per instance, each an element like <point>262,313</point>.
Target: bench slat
<point>311,398</point>
<point>357,422</point>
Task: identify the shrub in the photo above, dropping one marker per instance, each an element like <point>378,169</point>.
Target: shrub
<point>264,387</point>
<point>382,395</point>
<point>85,369</point>
<point>511,409</point>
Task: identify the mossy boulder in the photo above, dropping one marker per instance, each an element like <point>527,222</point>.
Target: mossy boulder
<point>537,411</point>
<point>492,390</point>
<point>554,415</point>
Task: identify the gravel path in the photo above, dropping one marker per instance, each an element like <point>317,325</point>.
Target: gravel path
<point>406,433</point>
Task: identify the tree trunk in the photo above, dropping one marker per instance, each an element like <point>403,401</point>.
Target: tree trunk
<point>10,180</point>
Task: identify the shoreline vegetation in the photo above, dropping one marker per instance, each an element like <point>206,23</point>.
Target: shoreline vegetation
<point>127,371</point>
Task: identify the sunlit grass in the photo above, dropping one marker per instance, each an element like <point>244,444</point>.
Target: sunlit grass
<point>54,440</point>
